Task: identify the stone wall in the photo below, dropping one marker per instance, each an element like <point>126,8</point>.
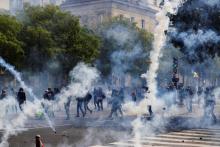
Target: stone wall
<point>94,12</point>
<point>148,23</point>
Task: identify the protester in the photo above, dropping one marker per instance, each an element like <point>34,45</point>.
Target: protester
<point>21,98</point>
<point>116,104</point>
<point>181,95</point>
<point>67,108</point>
<point>95,95</point>
<point>87,99</point>
<point>45,95</point>
<point>38,141</point>
<point>134,97</point>
<point>199,94</point>
<point>3,94</point>
<point>189,99</point>
<point>209,104</point>
<point>150,110</point>
<point>100,98</point>
<point>48,96</point>
<point>79,106</point>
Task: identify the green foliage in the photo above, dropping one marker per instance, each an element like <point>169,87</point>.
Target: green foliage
<point>43,34</point>
<point>50,33</point>
<point>10,47</point>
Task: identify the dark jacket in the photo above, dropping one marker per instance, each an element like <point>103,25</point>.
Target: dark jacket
<point>21,97</point>
<point>88,97</point>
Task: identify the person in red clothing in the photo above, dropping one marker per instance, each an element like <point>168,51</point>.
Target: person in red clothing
<point>39,142</point>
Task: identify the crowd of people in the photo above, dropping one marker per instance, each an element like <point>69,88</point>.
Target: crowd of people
<point>21,97</point>
<point>203,96</point>
<point>185,96</point>
<point>83,104</point>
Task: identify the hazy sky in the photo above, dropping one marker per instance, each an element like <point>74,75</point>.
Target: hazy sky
<point>4,4</point>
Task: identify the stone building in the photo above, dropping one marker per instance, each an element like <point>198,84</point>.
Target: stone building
<point>17,5</point>
<point>93,12</point>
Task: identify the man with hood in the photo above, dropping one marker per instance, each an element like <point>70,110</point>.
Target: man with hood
<point>21,98</point>
<point>3,94</point>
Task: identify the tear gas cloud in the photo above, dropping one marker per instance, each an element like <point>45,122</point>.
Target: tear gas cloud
<point>158,44</point>
<point>151,75</point>
<point>83,78</point>
<point>196,32</point>
<point>127,51</point>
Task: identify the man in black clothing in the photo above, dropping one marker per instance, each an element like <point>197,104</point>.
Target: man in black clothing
<point>50,94</point>
<point>150,110</point>
<point>21,98</point>
<point>45,96</point>
<point>87,99</point>
<point>134,97</point>
<point>100,98</point>
<point>3,95</point>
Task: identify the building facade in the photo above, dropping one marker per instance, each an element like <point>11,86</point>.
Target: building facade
<point>93,12</point>
<point>16,5</point>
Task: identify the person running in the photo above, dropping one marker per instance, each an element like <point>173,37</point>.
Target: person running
<point>79,106</point>
<point>38,141</point>
<point>134,97</point>
<point>199,94</point>
<point>67,108</point>
<point>3,94</point>
<point>87,99</point>
<point>189,99</point>
<point>116,104</point>
<point>209,105</point>
<point>21,98</point>
<point>95,95</point>
<point>49,96</point>
<point>100,98</point>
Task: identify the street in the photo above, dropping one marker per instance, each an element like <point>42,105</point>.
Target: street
<point>96,129</point>
<point>205,137</point>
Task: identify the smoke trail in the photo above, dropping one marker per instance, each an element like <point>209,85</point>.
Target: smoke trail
<point>30,106</point>
<point>159,42</point>
<point>170,6</point>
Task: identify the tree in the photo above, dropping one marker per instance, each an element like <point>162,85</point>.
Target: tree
<point>50,34</point>
<point>11,49</point>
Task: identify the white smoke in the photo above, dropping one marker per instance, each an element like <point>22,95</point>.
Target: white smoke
<point>30,107</point>
<point>170,6</point>
<point>119,33</point>
<point>192,40</point>
<point>12,119</point>
<point>211,2</point>
<point>158,44</point>
<point>122,58</point>
<point>83,78</point>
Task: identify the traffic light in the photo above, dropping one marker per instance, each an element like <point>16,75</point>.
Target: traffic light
<point>175,65</point>
<point>175,78</point>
